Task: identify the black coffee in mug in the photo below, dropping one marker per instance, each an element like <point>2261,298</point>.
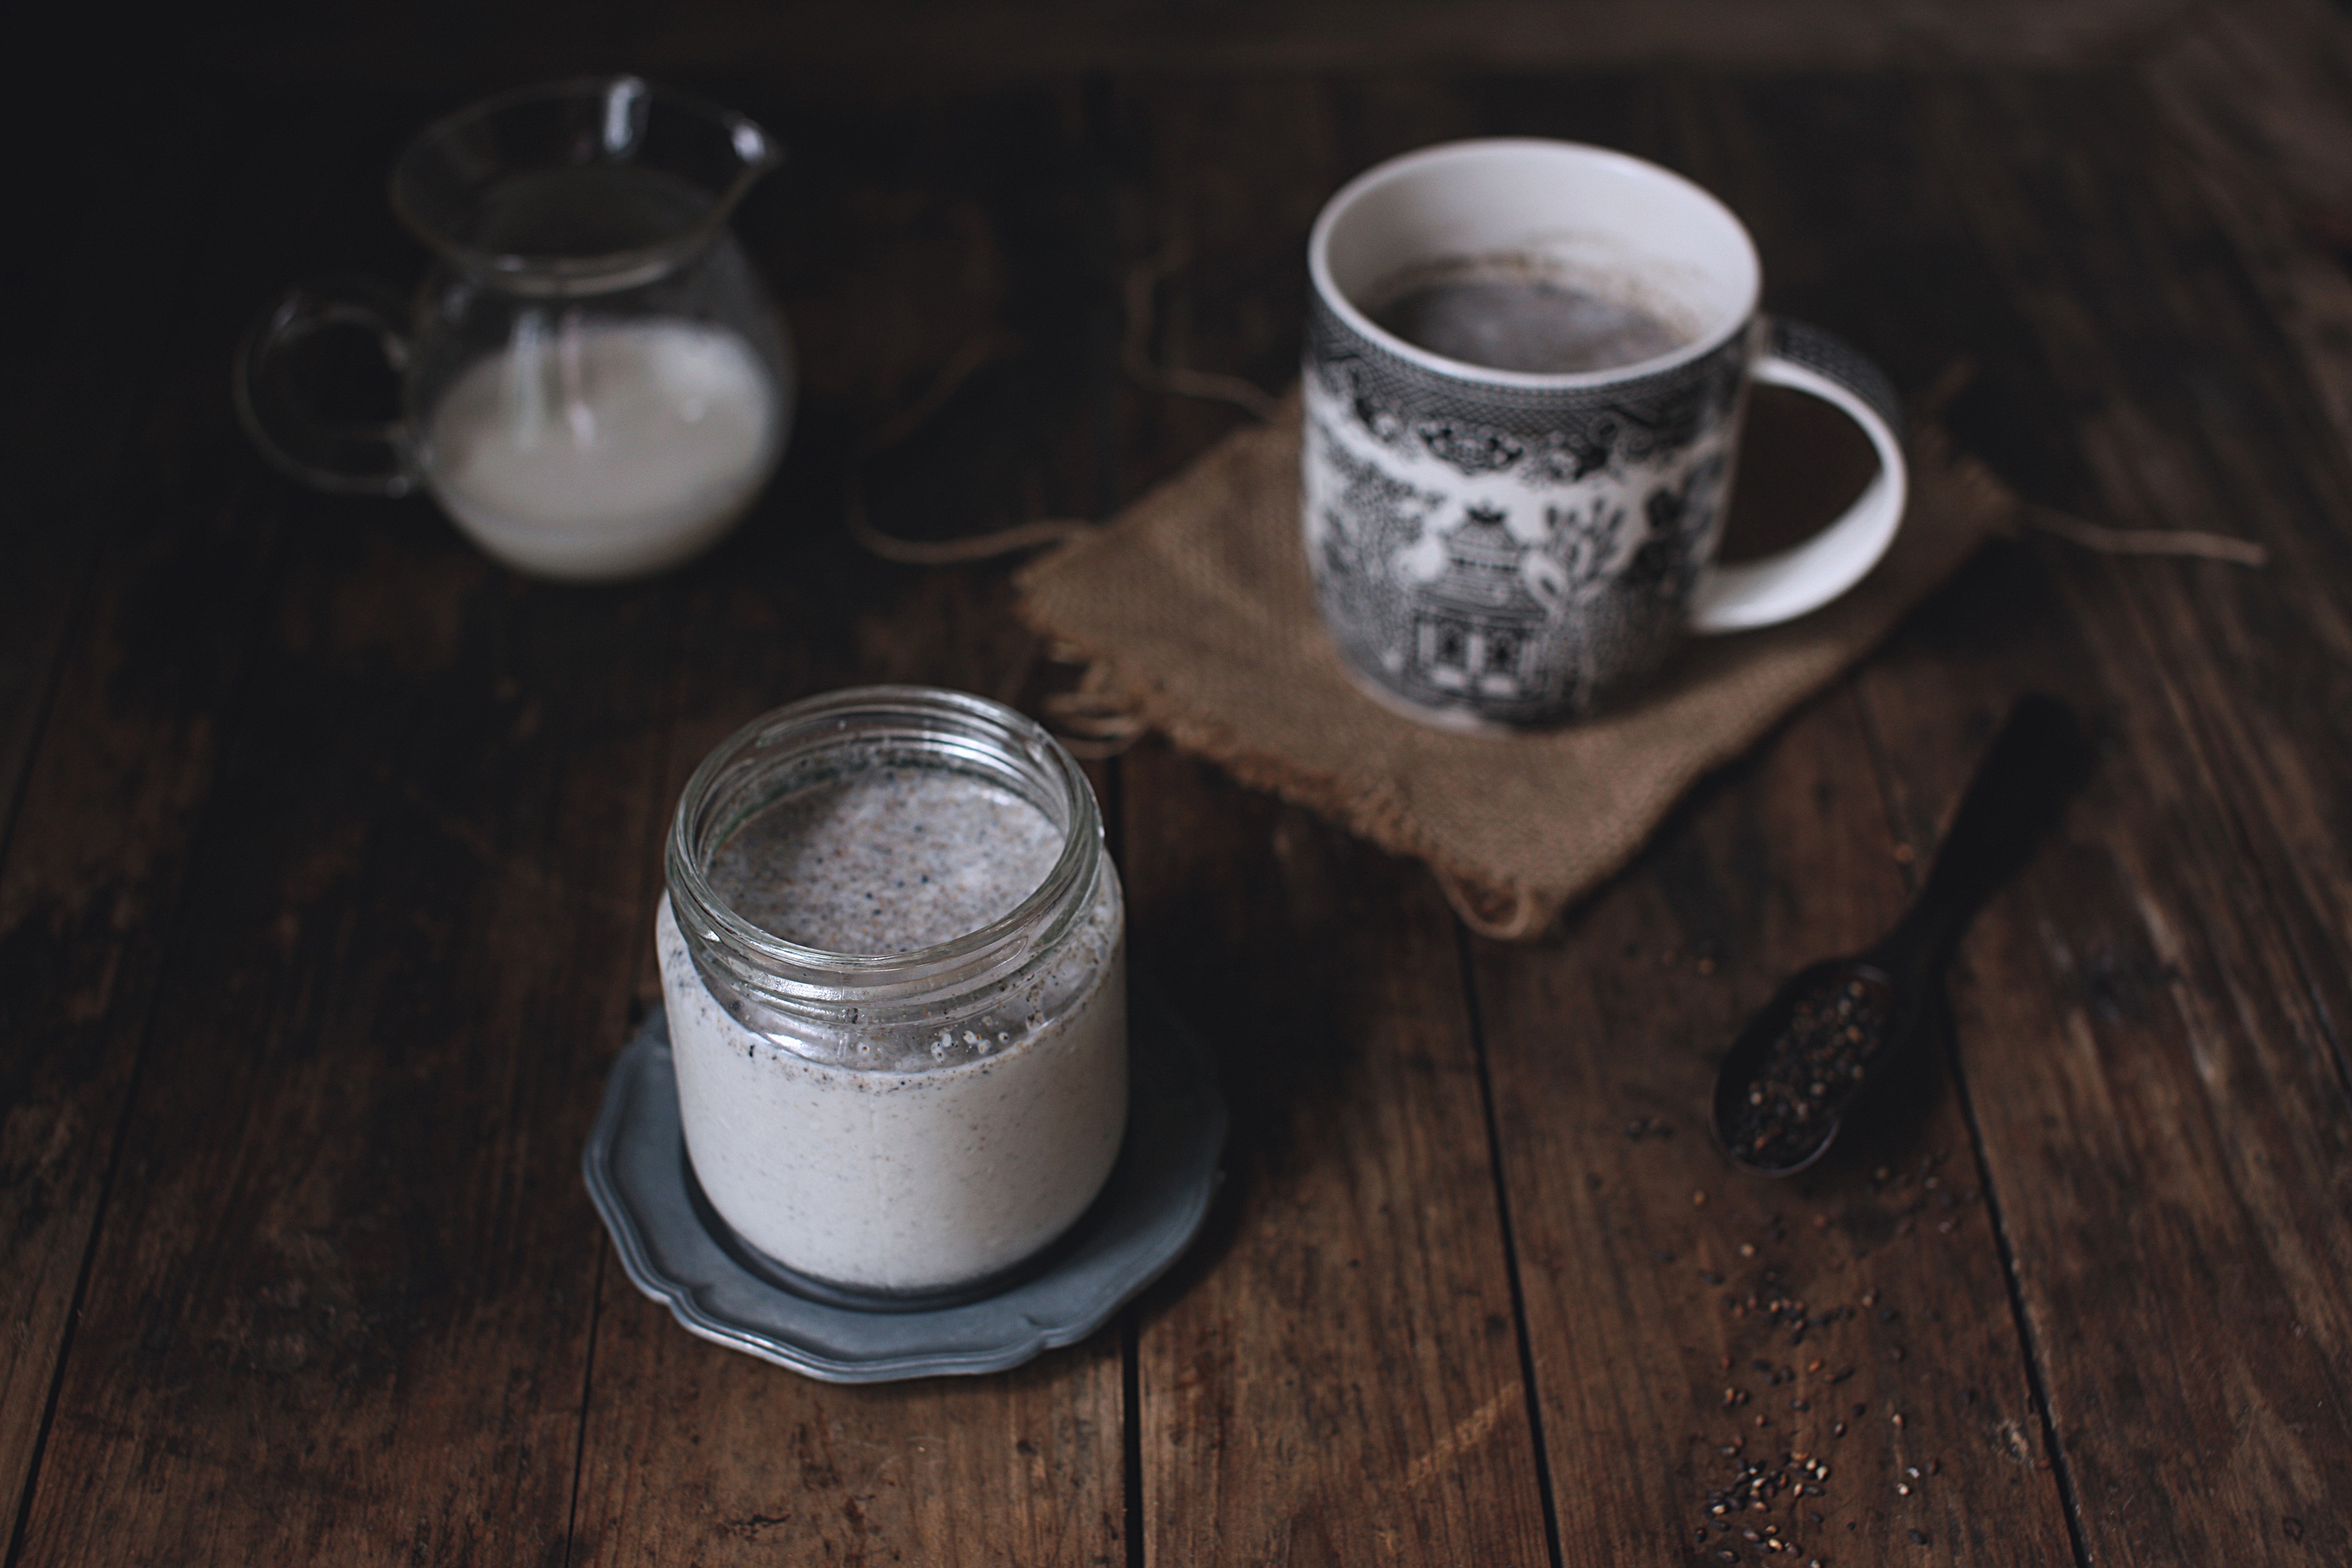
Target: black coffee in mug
<point>1512,318</point>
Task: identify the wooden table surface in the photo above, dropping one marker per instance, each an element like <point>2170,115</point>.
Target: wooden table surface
<point>330,850</point>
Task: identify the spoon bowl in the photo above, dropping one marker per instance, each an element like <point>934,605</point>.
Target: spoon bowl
<point>1745,1062</point>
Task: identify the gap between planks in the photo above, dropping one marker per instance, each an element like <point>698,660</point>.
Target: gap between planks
<point>1914,875</point>
<point>1533,1394</point>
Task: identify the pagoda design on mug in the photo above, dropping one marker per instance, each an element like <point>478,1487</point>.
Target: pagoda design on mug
<point>1499,602</point>
<point>1478,627</point>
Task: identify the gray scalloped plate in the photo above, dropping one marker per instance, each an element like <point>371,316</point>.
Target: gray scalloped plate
<point>1149,1212</point>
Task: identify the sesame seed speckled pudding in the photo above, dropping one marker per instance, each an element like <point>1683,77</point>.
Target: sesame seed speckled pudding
<point>890,860</point>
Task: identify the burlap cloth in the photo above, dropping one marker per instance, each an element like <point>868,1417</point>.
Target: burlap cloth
<point>1195,608</point>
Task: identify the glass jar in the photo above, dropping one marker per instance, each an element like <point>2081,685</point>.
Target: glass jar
<point>917,1121</point>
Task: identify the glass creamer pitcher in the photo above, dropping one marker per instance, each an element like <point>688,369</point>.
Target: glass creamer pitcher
<point>594,383</point>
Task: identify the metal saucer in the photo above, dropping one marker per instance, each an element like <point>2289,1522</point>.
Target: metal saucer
<point>677,1254</point>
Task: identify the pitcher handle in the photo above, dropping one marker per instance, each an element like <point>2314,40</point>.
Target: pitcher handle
<point>344,457</point>
<point>1781,586</point>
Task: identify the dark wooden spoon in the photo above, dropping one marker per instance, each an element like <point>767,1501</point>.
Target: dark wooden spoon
<point>1891,991</point>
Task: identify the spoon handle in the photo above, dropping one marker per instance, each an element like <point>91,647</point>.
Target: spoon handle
<point>2036,762</point>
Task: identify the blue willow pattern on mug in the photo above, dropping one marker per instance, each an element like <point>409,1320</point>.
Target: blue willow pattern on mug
<point>1432,591</point>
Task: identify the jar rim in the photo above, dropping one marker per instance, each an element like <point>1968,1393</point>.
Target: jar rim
<point>781,972</point>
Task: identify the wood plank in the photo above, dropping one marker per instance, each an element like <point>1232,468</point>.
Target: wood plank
<point>689,1452</point>
<point>154,493</point>
<point>2148,1059</point>
<point>2171,978</point>
<point>697,1454</point>
<point>87,899</point>
<point>1334,1375</point>
<point>2159,1115</point>
<point>2194,1061</point>
<point>2260,97</point>
<point>1913,284</point>
<point>340,1304</point>
<point>1700,1321</point>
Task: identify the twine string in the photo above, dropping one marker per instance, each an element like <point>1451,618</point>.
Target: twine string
<point>1940,393</point>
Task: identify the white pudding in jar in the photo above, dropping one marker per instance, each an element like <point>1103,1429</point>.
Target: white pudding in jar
<point>946,1096</point>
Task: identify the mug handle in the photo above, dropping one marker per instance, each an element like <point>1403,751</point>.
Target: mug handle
<point>344,457</point>
<point>1786,584</point>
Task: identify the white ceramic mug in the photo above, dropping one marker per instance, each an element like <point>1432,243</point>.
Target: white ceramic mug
<point>1498,547</point>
